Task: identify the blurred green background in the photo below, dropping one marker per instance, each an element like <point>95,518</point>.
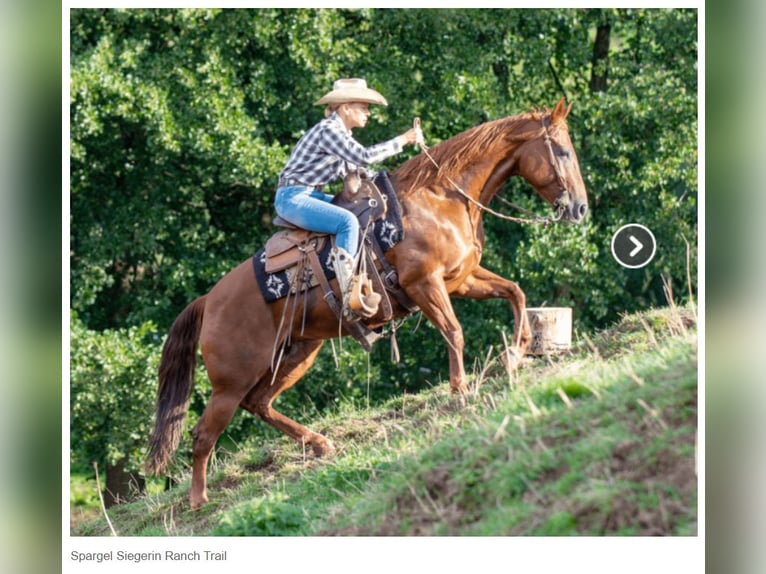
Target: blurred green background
<point>32,251</point>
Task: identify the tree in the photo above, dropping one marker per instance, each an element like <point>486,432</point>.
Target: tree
<point>600,63</point>
<point>112,396</point>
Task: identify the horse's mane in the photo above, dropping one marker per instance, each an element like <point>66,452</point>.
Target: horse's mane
<point>453,154</point>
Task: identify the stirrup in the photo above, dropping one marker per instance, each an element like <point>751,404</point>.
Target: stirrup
<point>362,300</point>
<point>359,299</point>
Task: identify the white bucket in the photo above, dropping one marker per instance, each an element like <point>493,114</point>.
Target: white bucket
<point>551,329</point>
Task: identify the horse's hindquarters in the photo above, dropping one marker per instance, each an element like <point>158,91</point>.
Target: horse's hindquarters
<point>238,330</point>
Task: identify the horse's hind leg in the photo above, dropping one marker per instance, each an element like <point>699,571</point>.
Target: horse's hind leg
<point>296,361</point>
<point>217,415</point>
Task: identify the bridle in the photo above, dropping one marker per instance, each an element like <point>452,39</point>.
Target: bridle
<point>560,204</point>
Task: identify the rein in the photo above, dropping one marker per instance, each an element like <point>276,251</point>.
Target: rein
<point>560,204</point>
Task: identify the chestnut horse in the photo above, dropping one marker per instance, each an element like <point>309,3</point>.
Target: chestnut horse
<point>442,195</point>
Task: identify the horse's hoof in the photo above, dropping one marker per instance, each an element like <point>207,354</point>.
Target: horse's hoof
<point>322,446</point>
<point>196,503</point>
<point>460,389</point>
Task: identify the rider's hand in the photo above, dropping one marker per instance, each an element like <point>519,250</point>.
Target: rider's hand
<point>419,139</point>
<point>413,136</point>
<point>410,137</point>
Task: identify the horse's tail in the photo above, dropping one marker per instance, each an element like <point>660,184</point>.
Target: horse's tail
<point>176,377</point>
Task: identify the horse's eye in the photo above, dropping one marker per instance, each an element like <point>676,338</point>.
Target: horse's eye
<point>564,153</point>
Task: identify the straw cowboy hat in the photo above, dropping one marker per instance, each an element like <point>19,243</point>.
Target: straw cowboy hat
<point>351,90</point>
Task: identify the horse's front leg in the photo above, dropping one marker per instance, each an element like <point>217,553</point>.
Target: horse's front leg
<point>483,284</point>
<point>433,299</point>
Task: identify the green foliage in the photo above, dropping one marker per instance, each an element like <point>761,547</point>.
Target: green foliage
<point>82,493</point>
<point>112,394</point>
<point>272,515</point>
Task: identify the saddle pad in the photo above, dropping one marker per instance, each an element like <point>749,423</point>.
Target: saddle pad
<point>388,232</point>
<point>277,285</point>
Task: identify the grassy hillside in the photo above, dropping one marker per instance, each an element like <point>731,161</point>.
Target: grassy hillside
<point>597,441</point>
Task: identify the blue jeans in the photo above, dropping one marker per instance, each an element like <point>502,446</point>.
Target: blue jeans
<point>311,209</point>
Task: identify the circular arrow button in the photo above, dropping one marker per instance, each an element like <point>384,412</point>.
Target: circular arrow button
<point>633,245</point>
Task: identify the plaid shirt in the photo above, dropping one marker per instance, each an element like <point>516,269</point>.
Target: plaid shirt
<point>328,152</point>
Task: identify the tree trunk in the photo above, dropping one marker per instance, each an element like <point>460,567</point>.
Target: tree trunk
<point>600,62</point>
<point>121,485</point>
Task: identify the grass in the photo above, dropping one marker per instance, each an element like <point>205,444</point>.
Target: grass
<point>597,441</point>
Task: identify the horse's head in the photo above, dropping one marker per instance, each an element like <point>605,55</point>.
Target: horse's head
<point>549,163</point>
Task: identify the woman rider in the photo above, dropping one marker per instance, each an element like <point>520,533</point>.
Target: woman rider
<point>326,153</point>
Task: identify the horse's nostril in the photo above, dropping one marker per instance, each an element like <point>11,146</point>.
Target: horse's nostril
<point>582,210</point>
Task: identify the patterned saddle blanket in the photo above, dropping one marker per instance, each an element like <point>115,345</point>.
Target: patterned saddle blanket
<point>281,272</point>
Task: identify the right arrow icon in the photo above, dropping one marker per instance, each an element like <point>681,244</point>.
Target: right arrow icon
<point>633,245</point>
<point>638,246</point>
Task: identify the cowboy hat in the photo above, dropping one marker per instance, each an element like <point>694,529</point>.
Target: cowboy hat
<point>351,90</point>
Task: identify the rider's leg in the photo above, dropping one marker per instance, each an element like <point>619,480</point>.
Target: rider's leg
<point>311,209</point>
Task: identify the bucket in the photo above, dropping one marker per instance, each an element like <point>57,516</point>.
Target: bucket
<point>551,329</point>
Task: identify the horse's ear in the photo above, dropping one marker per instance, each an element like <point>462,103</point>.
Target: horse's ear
<point>561,111</point>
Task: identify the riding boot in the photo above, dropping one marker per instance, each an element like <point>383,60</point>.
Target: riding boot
<point>358,296</point>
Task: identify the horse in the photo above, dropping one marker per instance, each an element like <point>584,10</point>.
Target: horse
<point>443,192</point>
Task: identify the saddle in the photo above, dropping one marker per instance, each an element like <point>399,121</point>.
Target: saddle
<point>287,247</point>
<point>300,256</point>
